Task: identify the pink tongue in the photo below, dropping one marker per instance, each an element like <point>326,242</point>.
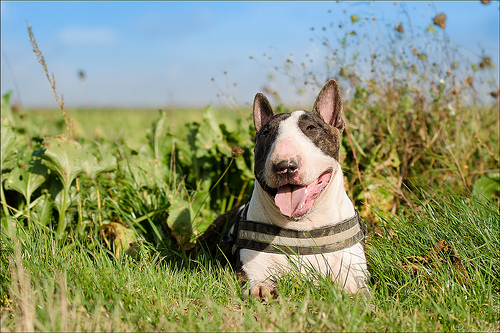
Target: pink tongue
<point>289,198</point>
<point>294,200</point>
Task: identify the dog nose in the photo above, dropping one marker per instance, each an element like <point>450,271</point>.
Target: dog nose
<point>285,167</point>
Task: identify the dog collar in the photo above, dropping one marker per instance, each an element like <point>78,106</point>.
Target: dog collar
<point>268,238</point>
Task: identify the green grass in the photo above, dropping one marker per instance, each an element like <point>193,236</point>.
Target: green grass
<point>110,124</point>
<point>54,286</point>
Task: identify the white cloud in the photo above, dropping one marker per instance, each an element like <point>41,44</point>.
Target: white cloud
<point>177,25</point>
<point>88,36</point>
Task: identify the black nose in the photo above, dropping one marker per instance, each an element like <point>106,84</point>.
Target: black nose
<point>285,167</point>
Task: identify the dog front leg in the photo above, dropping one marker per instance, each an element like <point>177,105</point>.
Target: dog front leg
<point>259,269</point>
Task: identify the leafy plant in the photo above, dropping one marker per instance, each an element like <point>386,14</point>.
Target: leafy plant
<point>168,192</point>
<point>487,186</point>
<point>26,179</point>
<point>7,152</point>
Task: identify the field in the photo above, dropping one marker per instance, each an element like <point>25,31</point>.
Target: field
<point>100,207</point>
<point>129,124</point>
<point>434,267</point>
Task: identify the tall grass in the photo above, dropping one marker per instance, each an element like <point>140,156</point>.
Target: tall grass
<point>50,78</point>
<point>435,270</point>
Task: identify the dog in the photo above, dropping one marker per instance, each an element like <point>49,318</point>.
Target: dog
<point>299,213</point>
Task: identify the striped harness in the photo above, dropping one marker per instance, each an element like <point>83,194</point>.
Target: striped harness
<point>268,238</point>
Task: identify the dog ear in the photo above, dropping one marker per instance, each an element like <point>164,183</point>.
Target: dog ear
<point>262,111</point>
<point>329,105</point>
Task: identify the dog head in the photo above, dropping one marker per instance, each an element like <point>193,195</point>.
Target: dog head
<point>296,154</point>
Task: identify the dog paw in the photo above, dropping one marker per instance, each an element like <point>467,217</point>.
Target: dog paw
<point>260,291</point>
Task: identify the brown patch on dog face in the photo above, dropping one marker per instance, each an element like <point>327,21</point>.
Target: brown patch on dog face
<point>264,140</point>
<point>324,136</point>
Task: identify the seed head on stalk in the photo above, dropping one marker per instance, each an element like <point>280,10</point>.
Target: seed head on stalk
<point>51,79</point>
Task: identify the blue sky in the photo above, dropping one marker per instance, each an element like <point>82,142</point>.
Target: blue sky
<point>156,54</point>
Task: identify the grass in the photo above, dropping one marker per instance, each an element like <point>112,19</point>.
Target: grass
<point>52,286</point>
<point>110,124</point>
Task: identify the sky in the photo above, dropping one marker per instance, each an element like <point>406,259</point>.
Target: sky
<point>174,53</point>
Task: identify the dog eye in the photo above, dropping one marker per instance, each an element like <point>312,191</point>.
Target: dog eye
<point>310,127</point>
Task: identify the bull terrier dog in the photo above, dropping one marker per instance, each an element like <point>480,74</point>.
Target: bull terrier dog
<point>299,214</point>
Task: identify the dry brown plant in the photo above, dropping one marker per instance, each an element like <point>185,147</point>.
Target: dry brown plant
<point>50,78</point>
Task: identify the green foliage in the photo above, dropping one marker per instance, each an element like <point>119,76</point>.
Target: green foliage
<point>8,143</point>
<point>27,178</point>
<point>167,191</point>
<point>487,186</point>
<point>7,153</point>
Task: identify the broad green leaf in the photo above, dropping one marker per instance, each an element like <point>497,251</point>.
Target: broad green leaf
<point>107,162</point>
<point>9,226</point>
<point>210,136</point>
<point>8,144</point>
<point>64,156</point>
<point>92,167</point>
<point>487,186</point>
<point>28,176</point>
<point>243,136</point>
<point>379,196</point>
<point>161,139</point>
<point>7,110</point>
<point>42,211</point>
<point>201,215</point>
<point>200,198</point>
<point>67,158</point>
<point>244,170</point>
<point>179,221</point>
<point>207,137</point>
<point>184,151</point>
<point>57,194</point>
<point>144,172</point>
<point>26,181</point>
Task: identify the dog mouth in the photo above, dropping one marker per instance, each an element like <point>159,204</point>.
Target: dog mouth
<point>296,200</point>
